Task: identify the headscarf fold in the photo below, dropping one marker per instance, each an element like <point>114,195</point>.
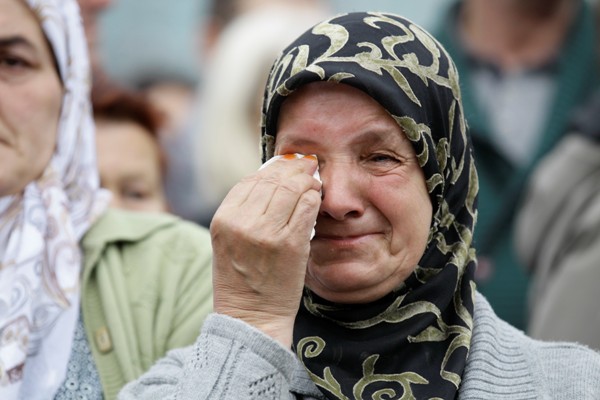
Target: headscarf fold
<point>40,228</point>
<point>414,342</point>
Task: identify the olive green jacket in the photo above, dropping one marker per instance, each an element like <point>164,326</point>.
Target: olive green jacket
<point>146,289</point>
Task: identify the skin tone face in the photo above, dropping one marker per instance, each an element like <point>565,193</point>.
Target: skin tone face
<point>129,164</point>
<point>375,214</point>
<point>30,98</point>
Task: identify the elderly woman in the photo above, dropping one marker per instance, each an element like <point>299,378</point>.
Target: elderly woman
<point>381,303</point>
<point>131,161</point>
<point>89,297</point>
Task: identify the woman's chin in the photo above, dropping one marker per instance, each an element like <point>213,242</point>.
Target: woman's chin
<point>349,283</point>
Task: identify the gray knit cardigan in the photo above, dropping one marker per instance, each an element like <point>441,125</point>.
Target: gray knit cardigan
<point>234,361</point>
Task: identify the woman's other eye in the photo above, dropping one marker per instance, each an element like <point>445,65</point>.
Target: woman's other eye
<point>12,62</point>
<point>382,158</point>
<point>134,195</point>
<point>13,66</point>
<point>381,163</point>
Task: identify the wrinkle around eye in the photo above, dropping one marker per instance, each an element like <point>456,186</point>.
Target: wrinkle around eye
<point>383,159</point>
<point>381,164</point>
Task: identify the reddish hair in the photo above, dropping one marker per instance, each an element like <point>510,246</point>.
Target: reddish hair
<point>115,103</point>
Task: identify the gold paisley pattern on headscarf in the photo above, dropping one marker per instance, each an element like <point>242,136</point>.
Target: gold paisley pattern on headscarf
<point>414,342</point>
<point>41,227</point>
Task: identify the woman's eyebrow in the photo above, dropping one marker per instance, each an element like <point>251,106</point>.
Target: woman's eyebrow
<point>380,136</point>
<point>296,142</point>
<point>14,41</point>
<point>372,136</point>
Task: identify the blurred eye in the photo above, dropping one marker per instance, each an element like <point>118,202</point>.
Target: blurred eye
<point>14,68</point>
<point>135,194</point>
<point>12,62</point>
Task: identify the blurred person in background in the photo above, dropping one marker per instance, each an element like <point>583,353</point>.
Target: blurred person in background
<point>131,161</point>
<point>525,65</point>
<point>220,13</point>
<point>90,296</point>
<point>558,235</point>
<point>170,95</point>
<point>250,34</point>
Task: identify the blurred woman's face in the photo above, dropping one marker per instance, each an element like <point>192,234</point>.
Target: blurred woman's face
<point>375,215</point>
<point>129,165</point>
<point>30,98</point>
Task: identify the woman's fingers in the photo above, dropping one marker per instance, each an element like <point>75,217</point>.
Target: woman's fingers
<point>288,197</point>
<point>277,190</point>
<point>305,213</point>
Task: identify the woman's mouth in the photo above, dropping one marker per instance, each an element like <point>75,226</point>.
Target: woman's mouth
<point>343,240</point>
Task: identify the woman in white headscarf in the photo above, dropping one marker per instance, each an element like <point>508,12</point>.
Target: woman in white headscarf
<point>86,303</point>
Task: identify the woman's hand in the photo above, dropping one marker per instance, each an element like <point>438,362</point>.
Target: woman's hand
<point>261,243</point>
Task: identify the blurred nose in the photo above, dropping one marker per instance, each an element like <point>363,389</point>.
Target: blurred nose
<point>341,192</point>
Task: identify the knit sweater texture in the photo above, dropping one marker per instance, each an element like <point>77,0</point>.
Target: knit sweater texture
<point>231,360</point>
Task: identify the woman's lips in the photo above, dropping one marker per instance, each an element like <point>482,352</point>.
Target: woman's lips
<point>343,240</point>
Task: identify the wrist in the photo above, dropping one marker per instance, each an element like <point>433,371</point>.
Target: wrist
<point>278,328</point>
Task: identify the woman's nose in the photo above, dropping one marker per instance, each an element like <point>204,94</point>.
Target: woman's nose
<point>341,192</point>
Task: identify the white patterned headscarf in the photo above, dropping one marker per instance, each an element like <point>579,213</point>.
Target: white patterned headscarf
<point>40,228</point>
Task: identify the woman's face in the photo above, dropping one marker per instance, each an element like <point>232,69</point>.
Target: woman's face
<point>129,165</point>
<point>375,216</point>
<point>30,98</point>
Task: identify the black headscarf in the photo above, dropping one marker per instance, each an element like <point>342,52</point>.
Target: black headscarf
<point>414,342</point>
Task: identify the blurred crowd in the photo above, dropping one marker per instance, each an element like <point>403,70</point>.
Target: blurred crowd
<point>173,124</point>
<point>529,71</point>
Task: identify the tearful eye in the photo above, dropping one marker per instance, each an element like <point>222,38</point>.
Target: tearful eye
<point>381,163</point>
<point>379,158</point>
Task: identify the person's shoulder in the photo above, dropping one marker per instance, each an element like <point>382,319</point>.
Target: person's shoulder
<point>567,370</point>
<point>150,244</point>
<point>504,359</point>
<point>126,226</point>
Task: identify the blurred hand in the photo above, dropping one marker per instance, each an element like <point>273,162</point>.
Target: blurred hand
<point>261,243</point>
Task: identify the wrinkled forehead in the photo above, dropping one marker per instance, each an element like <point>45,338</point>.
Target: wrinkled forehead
<point>318,110</point>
